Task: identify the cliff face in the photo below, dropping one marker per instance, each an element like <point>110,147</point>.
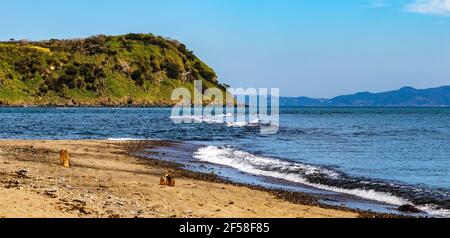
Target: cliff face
<point>133,69</point>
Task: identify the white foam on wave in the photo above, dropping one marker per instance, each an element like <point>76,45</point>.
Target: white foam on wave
<point>254,123</point>
<point>433,210</point>
<point>225,115</point>
<point>217,119</point>
<point>220,119</point>
<point>270,167</point>
<point>237,124</point>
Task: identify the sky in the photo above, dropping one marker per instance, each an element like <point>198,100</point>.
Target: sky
<point>315,48</point>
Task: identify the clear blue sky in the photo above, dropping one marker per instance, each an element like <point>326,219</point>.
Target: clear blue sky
<point>317,48</point>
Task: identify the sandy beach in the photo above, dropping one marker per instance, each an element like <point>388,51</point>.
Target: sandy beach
<point>105,181</point>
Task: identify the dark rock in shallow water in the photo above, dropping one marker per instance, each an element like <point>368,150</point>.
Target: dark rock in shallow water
<point>408,208</point>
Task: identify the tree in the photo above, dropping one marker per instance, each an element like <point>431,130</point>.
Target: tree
<point>205,72</point>
<point>173,70</point>
<point>138,77</point>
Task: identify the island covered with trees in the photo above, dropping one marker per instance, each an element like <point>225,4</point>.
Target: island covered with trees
<point>132,69</point>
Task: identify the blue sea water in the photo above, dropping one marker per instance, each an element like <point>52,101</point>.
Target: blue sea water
<point>392,155</point>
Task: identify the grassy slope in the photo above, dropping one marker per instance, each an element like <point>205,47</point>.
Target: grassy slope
<point>136,69</point>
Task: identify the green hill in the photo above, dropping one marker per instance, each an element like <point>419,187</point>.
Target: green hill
<point>133,69</point>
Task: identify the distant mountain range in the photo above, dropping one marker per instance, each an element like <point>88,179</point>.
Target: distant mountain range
<point>404,97</point>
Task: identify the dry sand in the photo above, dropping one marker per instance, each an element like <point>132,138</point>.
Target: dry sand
<point>106,182</point>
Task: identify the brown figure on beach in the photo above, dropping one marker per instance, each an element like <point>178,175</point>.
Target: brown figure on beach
<point>167,180</point>
<point>64,158</point>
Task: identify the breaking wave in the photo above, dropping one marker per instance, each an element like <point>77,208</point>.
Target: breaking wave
<point>300,173</point>
<point>220,119</point>
<point>216,119</point>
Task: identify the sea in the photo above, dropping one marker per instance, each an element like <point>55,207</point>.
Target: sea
<point>373,159</point>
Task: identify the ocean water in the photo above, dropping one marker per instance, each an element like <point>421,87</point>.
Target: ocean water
<point>393,156</point>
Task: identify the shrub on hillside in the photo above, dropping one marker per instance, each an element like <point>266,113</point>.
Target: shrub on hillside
<point>173,70</point>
